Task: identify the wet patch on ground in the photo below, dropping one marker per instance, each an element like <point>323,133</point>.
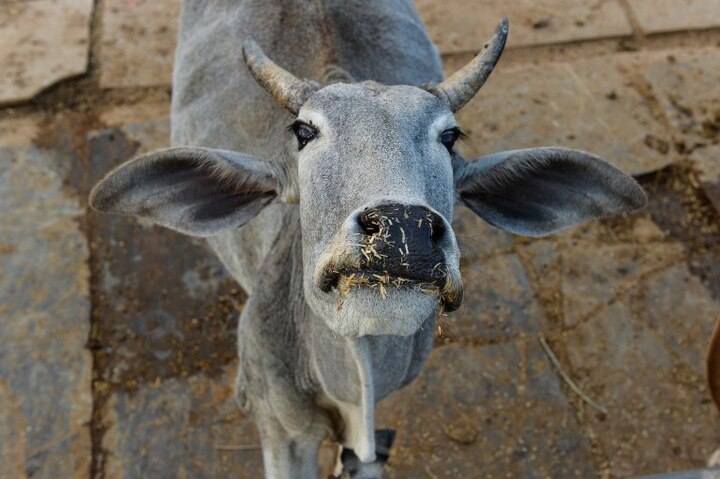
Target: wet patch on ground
<point>679,206</point>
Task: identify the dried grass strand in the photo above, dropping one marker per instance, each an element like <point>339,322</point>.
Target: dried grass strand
<point>568,380</point>
<point>238,447</point>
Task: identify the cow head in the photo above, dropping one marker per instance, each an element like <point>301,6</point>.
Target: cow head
<point>376,175</point>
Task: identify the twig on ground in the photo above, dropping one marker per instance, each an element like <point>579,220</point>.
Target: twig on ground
<point>430,473</point>
<point>243,447</point>
<point>567,379</point>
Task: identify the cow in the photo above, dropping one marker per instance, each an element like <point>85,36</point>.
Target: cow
<point>323,171</point>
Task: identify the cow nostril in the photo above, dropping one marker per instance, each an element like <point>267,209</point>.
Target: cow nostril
<point>368,221</point>
<point>438,229</point>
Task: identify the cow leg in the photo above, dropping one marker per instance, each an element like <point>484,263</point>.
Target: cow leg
<point>286,457</point>
<point>353,468</point>
<point>291,428</point>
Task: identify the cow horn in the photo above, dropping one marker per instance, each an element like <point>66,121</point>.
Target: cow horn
<point>460,87</point>
<point>289,91</point>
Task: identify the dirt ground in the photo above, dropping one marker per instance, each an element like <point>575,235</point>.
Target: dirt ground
<point>126,331</point>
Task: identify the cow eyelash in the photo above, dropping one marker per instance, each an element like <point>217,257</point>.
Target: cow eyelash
<point>304,132</point>
<point>450,136</point>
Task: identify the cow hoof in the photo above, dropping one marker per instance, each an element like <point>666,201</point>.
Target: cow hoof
<point>353,468</point>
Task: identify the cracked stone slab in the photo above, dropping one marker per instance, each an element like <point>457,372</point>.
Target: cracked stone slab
<point>543,264</point>
<point>492,411</point>
<point>45,368</point>
<point>589,105</point>
<point>687,85</point>
<point>465,25</point>
<point>41,43</point>
<point>477,238</point>
<point>163,303</point>
<point>657,16</point>
<point>707,161</point>
<point>146,111</point>
<point>579,270</point>
<point>498,303</point>
<point>642,357</point>
<point>182,427</point>
<point>18,132</point>
<point>137,46</point>
<point>595,274</point>
<point>166,314</point>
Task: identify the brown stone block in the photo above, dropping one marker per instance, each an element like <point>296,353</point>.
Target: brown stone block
<point>477,238</point>
<point>45,368</point>
<point>491,411</point>
<point>595,274</point>
<point>656,16</point>
<point>465,25</point>
<point>588,105</point>
<point>18,131</point>
<point>498,304</point>
<point>143,112</point>
<point>687,85</point>
<point>180,428</point>
<point>707,161</point>
<point>642,357</point>
<point>41,42</point>
<point>138,42</point>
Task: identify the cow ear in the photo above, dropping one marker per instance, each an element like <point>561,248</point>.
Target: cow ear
<point>539,191</point>
<point>196,191</point>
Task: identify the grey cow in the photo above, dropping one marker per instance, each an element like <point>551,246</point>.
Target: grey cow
<point>346,247</point>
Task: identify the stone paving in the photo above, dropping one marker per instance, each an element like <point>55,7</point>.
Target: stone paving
<point>117,337</point>
<point>44,41</point>
<point>655,16</point>
<point>45,368</point>
<point>147,45</point>
<point>601,89</point>
<point>455,29</point>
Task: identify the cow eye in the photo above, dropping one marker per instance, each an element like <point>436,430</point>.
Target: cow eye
<point>449,137</point>
<point>303,132</point>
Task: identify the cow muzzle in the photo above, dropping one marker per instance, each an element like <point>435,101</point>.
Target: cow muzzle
<point>394,246</point>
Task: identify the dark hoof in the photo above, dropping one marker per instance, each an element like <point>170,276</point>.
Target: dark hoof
<point>384,439</point>
<point>354,469</point>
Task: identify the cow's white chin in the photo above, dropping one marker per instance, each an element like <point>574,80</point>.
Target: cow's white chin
<point>363,311</point>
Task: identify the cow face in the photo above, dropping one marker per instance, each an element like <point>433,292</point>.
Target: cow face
<point>376,190</point>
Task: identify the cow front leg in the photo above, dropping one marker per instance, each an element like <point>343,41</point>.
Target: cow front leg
<point>286,456</point>
<point>353,468</point>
